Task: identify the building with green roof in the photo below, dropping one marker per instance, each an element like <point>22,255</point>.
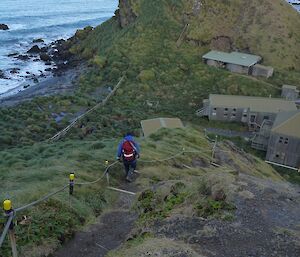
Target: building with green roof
<point>238,62</point>
<point>242,59</point>
<point>153,125</point>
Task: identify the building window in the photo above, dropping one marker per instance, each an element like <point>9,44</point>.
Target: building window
<point>226,109</point>
<point>286,141</point>
<point>245,115</point>
<point>233,115</point>
<point>234,110</point>
<point>215,109</point>
<point>252,118</point>
<point>266,117</point>
<point>277,155</point>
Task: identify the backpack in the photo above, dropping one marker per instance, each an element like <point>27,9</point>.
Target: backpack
<point>129,151</point>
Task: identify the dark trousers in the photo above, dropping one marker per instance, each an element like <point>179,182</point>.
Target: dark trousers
<point>128,165</point>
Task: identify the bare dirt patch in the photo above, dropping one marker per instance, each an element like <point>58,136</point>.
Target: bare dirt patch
<point>109,233</point>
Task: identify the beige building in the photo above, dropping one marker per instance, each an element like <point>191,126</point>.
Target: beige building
<point>259,70</point>
<point>151,126</point>
<point>290,92</point>
<point>246,109</point>
<point>284,142</point>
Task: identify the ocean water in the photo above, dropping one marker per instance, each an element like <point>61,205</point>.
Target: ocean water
<point>46,19</point>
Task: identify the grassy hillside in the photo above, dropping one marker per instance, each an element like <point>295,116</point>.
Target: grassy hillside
<point>161,79</point>
<point>158,71</point>
<point>267,28</point>
<point>30,172</point>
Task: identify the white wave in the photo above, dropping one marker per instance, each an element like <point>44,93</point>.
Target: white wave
<point>17,26</point>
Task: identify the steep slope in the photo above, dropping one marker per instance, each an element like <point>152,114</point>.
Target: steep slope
<point>163,77</point>
<point>141,42</point>
<point>268,28</point>
<point>39,170</point>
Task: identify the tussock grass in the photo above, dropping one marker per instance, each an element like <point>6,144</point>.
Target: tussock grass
<point>43,167</point>
<point>175,78</point>
<point>156,70</point>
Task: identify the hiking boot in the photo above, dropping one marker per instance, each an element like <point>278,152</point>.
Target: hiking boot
<point>128,178</point>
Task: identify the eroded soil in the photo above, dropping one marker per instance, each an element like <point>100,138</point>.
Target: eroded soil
<point>107,234</point>
<point>266,223</point>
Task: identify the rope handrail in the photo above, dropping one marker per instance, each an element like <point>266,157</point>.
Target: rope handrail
<point>46,197</point>
<point>6,228</point>
<point>72,124</point>
<point>99,179</point>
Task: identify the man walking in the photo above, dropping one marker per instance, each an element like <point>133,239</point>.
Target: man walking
<point>128,152</point>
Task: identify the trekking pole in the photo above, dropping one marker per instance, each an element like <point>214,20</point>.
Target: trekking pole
<point>71,184</point>
<point>9,212</point>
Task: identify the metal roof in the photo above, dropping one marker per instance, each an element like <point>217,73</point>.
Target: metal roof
<point>153,125</point>
<point>255,104</point>
<point>233,57</point>
<point>288,123</point>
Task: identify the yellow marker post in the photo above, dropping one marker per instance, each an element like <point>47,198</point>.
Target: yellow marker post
<point>7,205</point>
<point>72,178</point>
<point>106,162</point>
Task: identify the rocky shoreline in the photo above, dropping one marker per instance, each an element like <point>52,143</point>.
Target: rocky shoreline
<point>3,27</point>
<point>63,84</point>
<point>61,66</point>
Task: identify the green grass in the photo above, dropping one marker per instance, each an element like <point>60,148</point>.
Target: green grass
<point>30,172</point>
<point>155,70</point>
<point>175,78</point>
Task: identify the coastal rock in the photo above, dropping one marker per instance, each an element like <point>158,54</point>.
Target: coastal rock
<point>34,50</point>
<point>62,55</point>
<point>4,27</point>
<point>22,57</point>
<point>45,57</point>
<point>12,54</point>
<point>2,75</point>
<point>38,40</point>
<point>44,49</point>
<point>15,71</point>
<point>126,14</point>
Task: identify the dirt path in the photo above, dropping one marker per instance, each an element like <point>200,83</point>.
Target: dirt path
<point>108,234</point>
